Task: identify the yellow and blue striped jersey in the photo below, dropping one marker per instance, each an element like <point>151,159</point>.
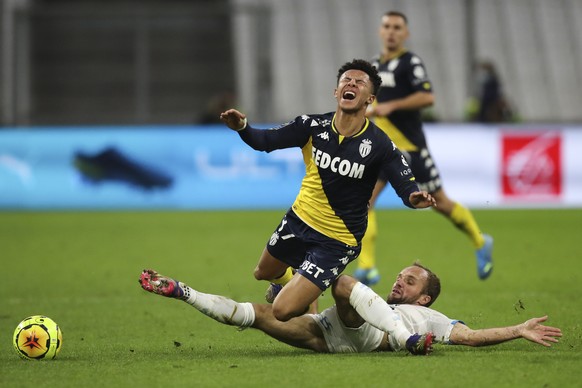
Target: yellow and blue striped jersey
<point>340,172</point>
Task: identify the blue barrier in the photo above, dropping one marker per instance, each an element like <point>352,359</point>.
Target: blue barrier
<point>161,167</point>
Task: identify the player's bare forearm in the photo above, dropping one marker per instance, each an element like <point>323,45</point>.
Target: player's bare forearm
<point>422,199</point>
<point>462,335</point>
<point>531,330</point>
<point>415,101</point>
<point>234,119</point>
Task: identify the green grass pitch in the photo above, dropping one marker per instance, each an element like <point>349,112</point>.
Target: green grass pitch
<point>81,269</point>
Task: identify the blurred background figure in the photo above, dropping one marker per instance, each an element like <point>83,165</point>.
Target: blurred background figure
<point>489,104</point>
<point>87,62</point>
<point>405,91</point>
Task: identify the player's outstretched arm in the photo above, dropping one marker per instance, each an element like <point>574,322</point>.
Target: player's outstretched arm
<point>422,199</point>
<point>532,330</point>
<point>414,101</point>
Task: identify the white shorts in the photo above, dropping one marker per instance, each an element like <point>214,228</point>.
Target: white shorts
<point>342,339</point>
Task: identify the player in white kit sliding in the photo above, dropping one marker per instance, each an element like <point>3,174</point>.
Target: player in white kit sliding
<point>347,327</point>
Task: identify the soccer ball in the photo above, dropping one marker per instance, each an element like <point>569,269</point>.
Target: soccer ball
<point>37,338</point>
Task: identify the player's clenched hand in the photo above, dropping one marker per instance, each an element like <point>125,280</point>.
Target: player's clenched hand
<point>234,119</point>
<point>422,199</point>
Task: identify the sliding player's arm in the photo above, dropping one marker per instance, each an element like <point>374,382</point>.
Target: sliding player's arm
<point>532,330</point>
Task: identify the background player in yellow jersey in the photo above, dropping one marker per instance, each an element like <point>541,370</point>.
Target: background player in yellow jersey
<point>405,90</point>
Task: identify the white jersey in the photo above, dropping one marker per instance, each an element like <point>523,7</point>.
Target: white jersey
<point>420,319</point>
<point>366,338</point>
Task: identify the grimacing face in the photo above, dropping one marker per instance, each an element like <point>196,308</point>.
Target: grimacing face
<point>409,286</point>
<point>354,90</point>
<point>393,32</point>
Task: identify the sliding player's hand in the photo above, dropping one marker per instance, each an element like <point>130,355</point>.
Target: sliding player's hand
<point>534,331</point>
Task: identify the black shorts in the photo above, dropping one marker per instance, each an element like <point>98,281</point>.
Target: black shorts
<point>425,171</point>
<point>315,256</point>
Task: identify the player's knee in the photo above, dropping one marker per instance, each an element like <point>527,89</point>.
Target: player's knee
<point>342,287</point>
<point>259,274</point>
<point>283,314</point>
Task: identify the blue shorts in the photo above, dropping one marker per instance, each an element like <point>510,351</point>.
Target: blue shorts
<point>315,256</point>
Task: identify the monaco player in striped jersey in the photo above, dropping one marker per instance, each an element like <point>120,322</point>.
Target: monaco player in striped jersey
<point>344,154</point>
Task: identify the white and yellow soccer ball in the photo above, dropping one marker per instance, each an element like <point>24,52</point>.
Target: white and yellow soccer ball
<point>37,338</point>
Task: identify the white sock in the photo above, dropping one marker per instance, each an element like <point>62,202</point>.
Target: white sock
<point>378,313</point>
<point>219,308</point>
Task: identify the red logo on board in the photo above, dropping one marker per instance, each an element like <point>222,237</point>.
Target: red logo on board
<point>531,165</point>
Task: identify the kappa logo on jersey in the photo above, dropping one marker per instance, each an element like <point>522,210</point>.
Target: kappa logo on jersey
<point>341,166</point>
<point>404,160</point>
<point>304,118</point>
<point>311,268</point>
<point>324,135</point>
<point>335,271</point>
<point>365,147</point>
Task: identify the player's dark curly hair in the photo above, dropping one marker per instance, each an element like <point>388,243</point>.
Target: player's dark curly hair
<point>366,67</point>
<point>433,284</point>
